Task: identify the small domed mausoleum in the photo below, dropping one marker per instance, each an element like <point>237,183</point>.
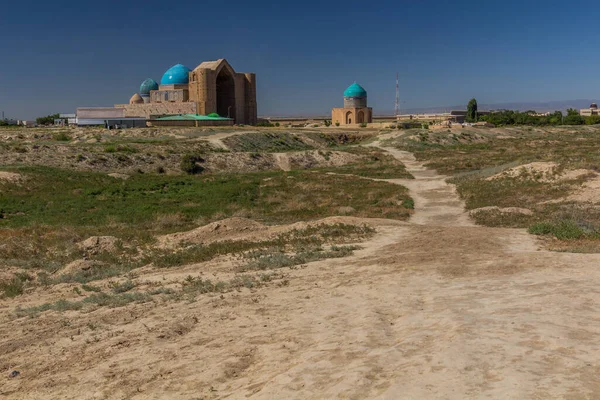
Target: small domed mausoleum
<point>355,111</point>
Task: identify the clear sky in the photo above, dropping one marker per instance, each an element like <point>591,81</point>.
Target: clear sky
<point>58,55</point>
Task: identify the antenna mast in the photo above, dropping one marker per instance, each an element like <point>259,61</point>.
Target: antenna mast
<point>397,98</point>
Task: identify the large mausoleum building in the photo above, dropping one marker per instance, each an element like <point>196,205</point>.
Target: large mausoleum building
<point>212,88</point>
<point>355,109</point>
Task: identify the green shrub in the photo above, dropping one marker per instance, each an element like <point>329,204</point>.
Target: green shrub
<point>337,124</point>
<point>363,125</point>
<point>61,137</point>
<point>189,164</point>
<point>408,203</point>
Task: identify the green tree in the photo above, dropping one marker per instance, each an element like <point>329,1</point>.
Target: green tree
<point>472,111</point>
<point>573,117</point>
<point>47,120</point>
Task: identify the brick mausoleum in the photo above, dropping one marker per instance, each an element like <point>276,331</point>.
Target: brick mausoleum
<point>213,87</point>
<point>355,109</point>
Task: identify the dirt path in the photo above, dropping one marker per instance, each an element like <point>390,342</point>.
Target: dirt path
<point>431,309</point>
<point>436,201</point>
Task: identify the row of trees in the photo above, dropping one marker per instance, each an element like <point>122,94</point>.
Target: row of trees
<point>510,117</point>
<point>47,120</point>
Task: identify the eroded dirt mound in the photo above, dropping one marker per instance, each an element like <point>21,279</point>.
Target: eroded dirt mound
<point>539,170</point>
<point>99,244</point>
<point>507,210</point>
<point>247,229</point>
<point>227,229</point>
<point>542,172</point>
<point>10,177</point>
<point>588,192</point>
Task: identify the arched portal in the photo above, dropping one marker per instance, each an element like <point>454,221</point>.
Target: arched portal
<point>349,118</point>
<point>226,94</point>
<point>360,117</point>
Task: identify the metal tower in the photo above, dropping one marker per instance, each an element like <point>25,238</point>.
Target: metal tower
<point>397,98</point>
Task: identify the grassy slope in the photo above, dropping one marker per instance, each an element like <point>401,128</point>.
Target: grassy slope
<point>58,197</point>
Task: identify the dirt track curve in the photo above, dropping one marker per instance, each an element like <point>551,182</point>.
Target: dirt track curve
<point>436,308</point>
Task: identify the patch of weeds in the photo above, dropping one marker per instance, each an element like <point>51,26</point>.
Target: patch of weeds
<point>120,149</point>
<point>278,260</point>
<point>61,137</point>
<point>201,286</point>
<point>96,272</point>
<point>122,287</point>
<point>99,300</point>
<point>563,229</point>
<point>12,288</point>
<point>271,142</point>
<point>90,288</point>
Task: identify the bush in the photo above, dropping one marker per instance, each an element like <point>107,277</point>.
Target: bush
<point>277,124</point>
<point>337,124</point>
<point>363,125</point>
<point>189,164</point>
<point>62,137</point>
<point>265,124</point>
<point>593,120</point>
<point>327,122</point>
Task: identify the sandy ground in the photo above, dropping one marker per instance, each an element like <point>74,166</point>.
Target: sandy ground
<point>436,308</point>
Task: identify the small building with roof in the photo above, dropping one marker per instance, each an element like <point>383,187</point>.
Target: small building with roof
<point>194,120</point>
<point>355,110</point>
<point>213,87</point>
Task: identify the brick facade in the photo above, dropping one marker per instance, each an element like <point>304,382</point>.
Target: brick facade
<point>352,116</point>
<point>214,87</point>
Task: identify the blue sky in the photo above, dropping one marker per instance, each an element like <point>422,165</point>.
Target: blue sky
<point>58,55</point>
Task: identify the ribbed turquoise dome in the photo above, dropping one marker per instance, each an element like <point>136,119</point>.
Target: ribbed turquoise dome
<point>148,85</point>
<point>176,75</point>
<point>355,90</point>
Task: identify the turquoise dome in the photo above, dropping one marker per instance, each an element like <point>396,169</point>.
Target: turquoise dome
<point>148,85</point>
<point>355,90</point>
<point>176,75</point>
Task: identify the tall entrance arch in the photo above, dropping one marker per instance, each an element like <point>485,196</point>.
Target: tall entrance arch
<point>360,117</point>
<point>226,93</point>
<point>349,118</point>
